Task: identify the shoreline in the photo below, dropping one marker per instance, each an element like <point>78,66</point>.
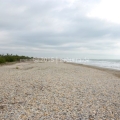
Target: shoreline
<point>115,72</point>
<point>108,70</point>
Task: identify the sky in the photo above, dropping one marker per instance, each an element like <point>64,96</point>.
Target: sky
<point>60,28</point>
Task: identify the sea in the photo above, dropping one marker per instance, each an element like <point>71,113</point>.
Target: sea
<point>103,63</point>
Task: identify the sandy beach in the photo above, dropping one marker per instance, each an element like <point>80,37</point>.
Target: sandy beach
<point>50,91</point>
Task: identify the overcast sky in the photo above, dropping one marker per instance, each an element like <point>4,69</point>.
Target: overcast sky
<point>60,28</point>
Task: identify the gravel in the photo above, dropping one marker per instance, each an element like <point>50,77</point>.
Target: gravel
<point>50,91</point>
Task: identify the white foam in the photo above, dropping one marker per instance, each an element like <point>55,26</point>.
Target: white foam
<point>112,64</point>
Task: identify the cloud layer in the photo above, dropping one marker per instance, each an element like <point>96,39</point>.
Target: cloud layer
<point>57,29</point>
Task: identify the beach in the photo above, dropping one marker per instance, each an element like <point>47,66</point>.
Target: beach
<point>58,91</point>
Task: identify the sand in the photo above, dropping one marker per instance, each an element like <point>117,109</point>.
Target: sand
<point>50,91</point>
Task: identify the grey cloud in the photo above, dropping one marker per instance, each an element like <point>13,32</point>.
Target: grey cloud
<point>55,23</point>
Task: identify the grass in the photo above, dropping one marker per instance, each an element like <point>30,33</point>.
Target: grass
<point>11,58</point>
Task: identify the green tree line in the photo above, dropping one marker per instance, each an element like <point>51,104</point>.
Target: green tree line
<point>11,58</point>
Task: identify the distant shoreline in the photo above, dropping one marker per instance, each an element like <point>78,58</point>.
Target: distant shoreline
<point>109,70</point>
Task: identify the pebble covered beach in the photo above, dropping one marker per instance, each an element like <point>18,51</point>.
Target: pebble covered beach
<point>58,91</point>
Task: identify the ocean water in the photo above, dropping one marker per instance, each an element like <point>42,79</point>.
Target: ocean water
<point>104,63</point>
